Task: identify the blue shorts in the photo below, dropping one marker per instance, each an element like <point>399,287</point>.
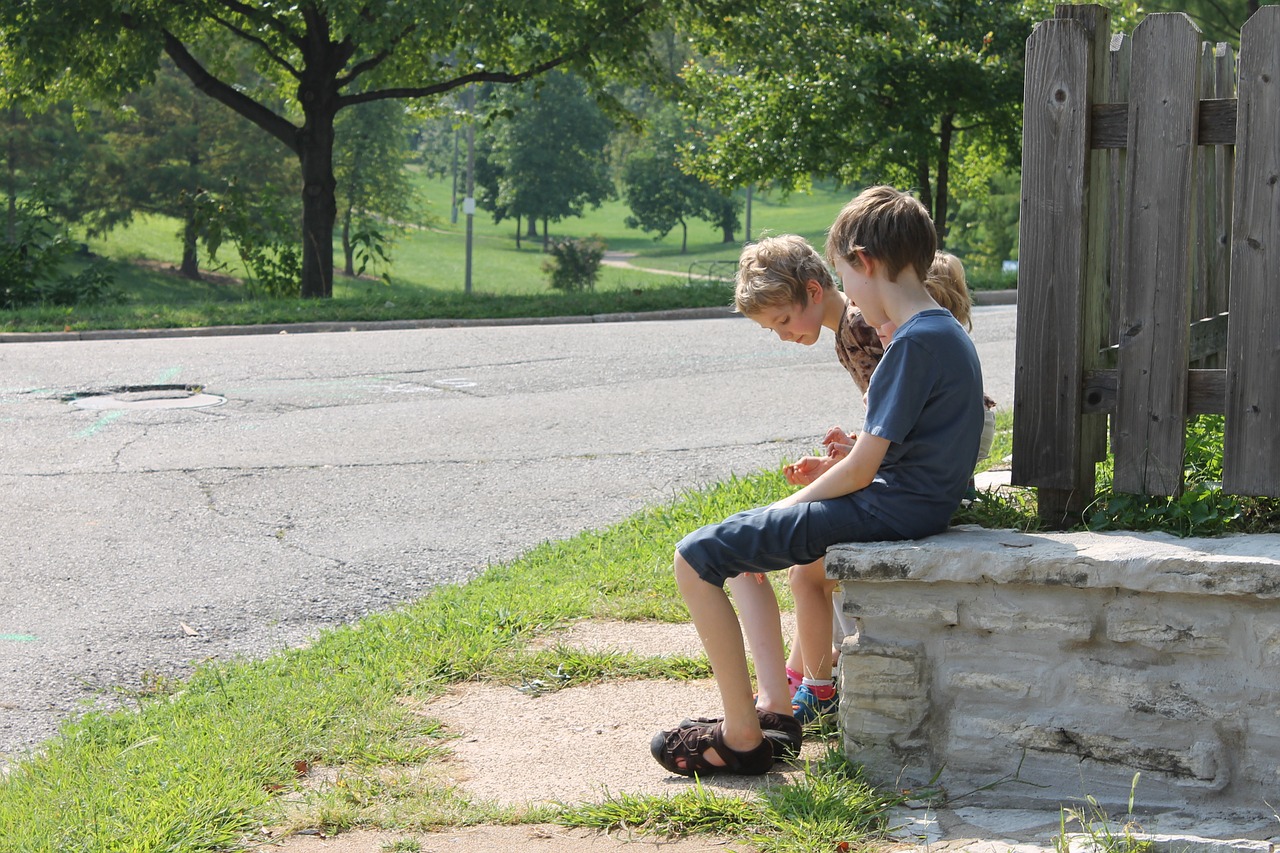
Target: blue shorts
<point>766,539</point>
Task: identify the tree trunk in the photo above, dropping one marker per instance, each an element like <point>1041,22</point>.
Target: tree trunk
<point>546,244</point>
<point>319,210</point>
<point>517,232</point>
<point>947,130</point>
<point>726,231</point>
<point>532,233</point>
<point>684,236</point>
<point>926,191</point>
<point>11,190</point>
<point>348,252</point>
<point>190,242</point>
<point>319,196</point>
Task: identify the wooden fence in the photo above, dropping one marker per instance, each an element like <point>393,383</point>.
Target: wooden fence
<point>1149,271</point>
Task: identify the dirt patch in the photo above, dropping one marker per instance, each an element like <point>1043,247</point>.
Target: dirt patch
<point>534,838</point>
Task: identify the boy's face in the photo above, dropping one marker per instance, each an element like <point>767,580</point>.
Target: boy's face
<point>858,287</point>
<point>801,324</point>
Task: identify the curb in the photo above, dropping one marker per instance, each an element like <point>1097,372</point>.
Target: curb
<point>359,326</point>
<point>980,297</point>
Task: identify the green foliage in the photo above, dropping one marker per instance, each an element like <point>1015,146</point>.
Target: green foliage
<point>575,263</point>
<point>546,160</point>
<point>1101,830</point>
<point>831,807</point>
<point>1201,510</point>
<point>375,194</point>
<point>32,257</point>
<point>661,195</point>
<point>306,62</point>
<point>263,229</point>
<point>860,90</point>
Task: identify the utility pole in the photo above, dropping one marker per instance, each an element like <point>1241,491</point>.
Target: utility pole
<point>469,203</point>
<point>453,205</point>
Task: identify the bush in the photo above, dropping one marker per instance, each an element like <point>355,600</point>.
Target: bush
<point>575,263</point>
<point>31,260</point>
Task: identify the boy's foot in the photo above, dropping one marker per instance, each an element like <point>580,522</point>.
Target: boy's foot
<point>808,708</point>
<point>683,750</point>
<point>782,731</point>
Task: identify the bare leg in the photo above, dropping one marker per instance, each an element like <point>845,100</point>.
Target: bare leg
<point>814,612</point>
<point>763,626</point>
<point>721,635</point>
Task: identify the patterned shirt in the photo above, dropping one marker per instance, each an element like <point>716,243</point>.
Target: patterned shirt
<point>858,346</point>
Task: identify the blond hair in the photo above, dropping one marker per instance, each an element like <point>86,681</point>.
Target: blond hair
<point>888,225</point>
<point>946,284</point>
<point>776,271</point>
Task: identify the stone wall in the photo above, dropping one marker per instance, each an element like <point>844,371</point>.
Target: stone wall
<point>1032,669</point>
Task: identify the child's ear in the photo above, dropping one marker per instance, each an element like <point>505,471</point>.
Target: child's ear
<point>868,263</point>
<point>814,288</point>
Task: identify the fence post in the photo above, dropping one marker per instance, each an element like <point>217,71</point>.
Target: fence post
<point>1164,101</point>
<point>1251,459</point>
<point>1048,450</point>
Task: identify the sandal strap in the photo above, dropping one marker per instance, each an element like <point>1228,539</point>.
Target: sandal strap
<point>684,751</point>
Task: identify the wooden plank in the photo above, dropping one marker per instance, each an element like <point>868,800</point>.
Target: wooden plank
<point>1251,461</point>
<point>1118,91</point>
<point>1051,267</point>
<point>1095,298</point>
<point>1150,420</point>
<point>1224,156</point>
<point>1206,392</point>
<point>1216,125</point>
<point>1204,215</point>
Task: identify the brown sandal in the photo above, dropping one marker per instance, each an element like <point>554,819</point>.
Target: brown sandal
<point>782,730</point>
<point>683,751</point>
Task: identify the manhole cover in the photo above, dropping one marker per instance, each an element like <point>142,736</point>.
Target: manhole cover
<point>147,397</point>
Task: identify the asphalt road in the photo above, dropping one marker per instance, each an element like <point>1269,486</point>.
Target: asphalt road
<point>348,472</point>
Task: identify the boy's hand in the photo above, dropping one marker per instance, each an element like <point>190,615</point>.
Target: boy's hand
<point>837,442</point>
<point>804,471</point>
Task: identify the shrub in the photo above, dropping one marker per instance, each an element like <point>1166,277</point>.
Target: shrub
<point>575,263</point>
<point>31,259</point>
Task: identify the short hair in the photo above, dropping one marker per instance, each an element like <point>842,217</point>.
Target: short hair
<point>946,284</point>
<point>890,226</point>
<point>775,271</point>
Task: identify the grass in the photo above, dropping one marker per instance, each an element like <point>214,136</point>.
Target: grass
<point>427,276</point>
<point>200,764</point>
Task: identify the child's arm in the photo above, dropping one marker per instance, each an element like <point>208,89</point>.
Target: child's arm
<point>853,472</point>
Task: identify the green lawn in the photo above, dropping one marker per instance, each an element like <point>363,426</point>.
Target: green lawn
<point>426,278</point>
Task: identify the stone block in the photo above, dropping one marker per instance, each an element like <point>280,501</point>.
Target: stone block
<point>922,606</point>
<point>1024,611</point>
<point>1161,623</point>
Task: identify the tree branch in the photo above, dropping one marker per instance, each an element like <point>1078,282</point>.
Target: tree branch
<point>373,62</point>
<point>276,125</point>
<point>250,37</point>
<point>583,48</point>
<point>256,14</point>
<point>455,83</point>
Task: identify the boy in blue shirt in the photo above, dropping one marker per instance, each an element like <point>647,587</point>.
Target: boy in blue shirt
<point>903,478</point>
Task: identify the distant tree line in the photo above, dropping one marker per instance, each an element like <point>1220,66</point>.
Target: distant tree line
<point>271,128</point>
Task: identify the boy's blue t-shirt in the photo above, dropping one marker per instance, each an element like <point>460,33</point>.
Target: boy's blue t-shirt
<point>926,398</point>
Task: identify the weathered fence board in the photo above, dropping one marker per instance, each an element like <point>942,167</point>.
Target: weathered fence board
<point>1164,96</point>
<point>1052,254</point>
<point>1251,464</point>
<point>1149,279</point>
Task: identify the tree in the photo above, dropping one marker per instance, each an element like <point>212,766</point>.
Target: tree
<point>860,90</point>
<point>374,193</point>
<point>661,195</point>
<point>547,158</point>
<point>325,57</point>
<point>170,146</point>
